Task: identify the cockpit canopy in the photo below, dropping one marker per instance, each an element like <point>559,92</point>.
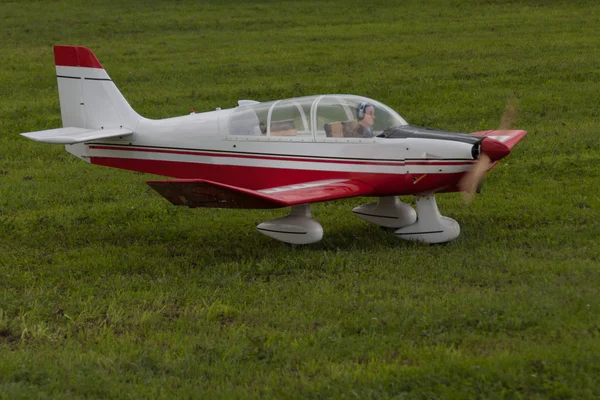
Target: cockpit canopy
<point>312,117</point>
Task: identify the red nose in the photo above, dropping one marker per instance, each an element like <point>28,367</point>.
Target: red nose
<point>494,149</point>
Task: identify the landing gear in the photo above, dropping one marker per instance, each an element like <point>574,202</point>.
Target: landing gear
<point>296,228</point>
<point>426,224</point>
<point>431,226</point>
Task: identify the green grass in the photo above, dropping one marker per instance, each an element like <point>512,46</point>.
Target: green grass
<point>106,290</point>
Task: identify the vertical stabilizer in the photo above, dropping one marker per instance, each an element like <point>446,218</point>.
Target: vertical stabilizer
<point>88,97</point>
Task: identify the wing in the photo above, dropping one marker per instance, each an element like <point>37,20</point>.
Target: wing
<point>202,193</point>
<point>75,135</point>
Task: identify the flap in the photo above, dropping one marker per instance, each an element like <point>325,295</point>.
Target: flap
<point>202,193</point>
<point>72,135</point>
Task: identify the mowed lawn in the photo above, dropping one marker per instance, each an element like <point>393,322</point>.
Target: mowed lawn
<point>108,291</point>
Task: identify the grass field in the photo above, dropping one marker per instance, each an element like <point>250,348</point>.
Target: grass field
<point>106,290</point>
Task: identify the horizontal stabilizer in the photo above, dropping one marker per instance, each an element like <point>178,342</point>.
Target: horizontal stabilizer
<point>202,193</point>
<point>75,135</point>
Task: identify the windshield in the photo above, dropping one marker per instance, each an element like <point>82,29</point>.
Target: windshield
<point>353,116</point>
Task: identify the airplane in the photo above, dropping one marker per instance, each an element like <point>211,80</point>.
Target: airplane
<point>284,153</point>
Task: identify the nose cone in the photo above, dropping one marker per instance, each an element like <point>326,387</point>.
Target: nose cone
<point>494,149</point>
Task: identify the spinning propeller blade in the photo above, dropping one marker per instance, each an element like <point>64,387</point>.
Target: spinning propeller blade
<point>510,114</point>
<point>490,150</point>
<point>469,182</point>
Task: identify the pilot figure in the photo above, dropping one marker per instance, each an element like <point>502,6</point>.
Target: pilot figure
<point>365,113</point>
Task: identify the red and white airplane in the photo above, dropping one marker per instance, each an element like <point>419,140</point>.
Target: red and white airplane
<point>284,153</point>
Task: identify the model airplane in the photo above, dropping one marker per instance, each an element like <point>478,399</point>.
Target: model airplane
<point>285,153</point>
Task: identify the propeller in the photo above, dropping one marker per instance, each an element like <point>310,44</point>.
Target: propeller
<point>489,150</point>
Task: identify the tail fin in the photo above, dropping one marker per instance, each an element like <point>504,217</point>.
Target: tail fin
<point>88,97</point>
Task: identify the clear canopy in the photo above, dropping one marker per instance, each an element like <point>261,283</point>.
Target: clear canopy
<point>311,117</point>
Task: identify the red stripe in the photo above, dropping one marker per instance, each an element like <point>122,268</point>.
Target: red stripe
<point>75,56</point>
<point>257,178</point>
<point>281,158</point>
<point>237,155</point>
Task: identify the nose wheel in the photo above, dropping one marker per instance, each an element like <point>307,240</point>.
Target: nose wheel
<point>431,226</point>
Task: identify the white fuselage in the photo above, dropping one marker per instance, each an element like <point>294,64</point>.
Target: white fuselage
<point>200,146</point>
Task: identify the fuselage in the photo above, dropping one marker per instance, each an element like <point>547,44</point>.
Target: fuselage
<point>201,146</point>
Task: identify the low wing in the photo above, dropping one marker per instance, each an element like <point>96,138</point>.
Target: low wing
<point>509,137</point>
<point>202,193</point>
<point>75,135</point>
